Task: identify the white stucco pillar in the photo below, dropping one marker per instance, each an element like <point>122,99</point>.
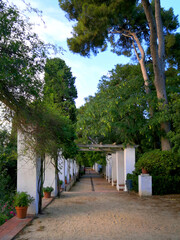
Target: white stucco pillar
<point>50,175</point>
<point>96,167</point>
<point>145,185</point>
<point>114,176</point>
<point>78,169</point>
<point>68,170</point>
<point>109,168</point>
<point>107,162</point>
<point>28,170</point>
<point>71,168</point>
<point>129,162</point>
<point>61,167</point>
<point>120,170</point>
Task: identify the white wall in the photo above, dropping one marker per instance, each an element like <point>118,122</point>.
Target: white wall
<point>28,170</point>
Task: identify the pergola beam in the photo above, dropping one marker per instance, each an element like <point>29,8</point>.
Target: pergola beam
<point>102,148</point>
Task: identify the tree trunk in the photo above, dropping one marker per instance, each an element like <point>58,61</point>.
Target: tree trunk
<point>40,184</point>
<point>141,61</point>
<point>57,175</point>
<point>157,53</point>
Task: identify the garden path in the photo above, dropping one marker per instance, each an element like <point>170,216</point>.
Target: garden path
<point>105,214</point>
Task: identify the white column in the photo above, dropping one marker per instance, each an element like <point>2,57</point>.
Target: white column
<point>71,168</point>
<point>129,162</point>
<point>50,175</point>
<point>107,162</point>
<point>145,185</point>
<point>66,169</point>
<point>114,177</point>
<point>61,167</point>
<point>110,168</point>
<point>28,170</point>
<point>120,170</point>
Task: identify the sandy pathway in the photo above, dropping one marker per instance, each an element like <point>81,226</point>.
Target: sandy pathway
<point>106,214</point>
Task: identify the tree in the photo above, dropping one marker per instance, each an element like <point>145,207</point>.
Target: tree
<point>122,23</point>
<point>22,60</point>
<point>8,164</point>
<point>59,86</point>
<point>157,47</point>
<point>88,159</point>
<point>118,112</point>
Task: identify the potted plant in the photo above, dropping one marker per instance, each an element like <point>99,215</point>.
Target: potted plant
<point>65,180</point>
<point>60,183</point>
<point>47,191</point>
<point>21,202</point>
<point>144,170</point>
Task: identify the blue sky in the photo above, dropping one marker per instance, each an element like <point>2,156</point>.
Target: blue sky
<point>88,71</point>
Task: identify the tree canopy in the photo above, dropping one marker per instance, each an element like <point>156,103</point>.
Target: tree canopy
<point>59,86</point>
<point>119,111</point>
<point>22,62</point>
<point>125,25</point>
<point>22,59</point>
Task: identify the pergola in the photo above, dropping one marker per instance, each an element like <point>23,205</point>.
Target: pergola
<point>120,160</point>
<point>102,147</point>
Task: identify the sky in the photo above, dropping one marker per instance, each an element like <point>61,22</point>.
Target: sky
<point>56,30</point>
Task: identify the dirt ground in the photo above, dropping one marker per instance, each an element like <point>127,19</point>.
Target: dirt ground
<point>106,214</point>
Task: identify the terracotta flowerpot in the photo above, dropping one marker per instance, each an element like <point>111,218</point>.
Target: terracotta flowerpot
<point>144,171</point>
<point>21,212</point>
<point>47,194</point>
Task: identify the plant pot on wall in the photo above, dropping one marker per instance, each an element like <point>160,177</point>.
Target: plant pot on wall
<point>47,191</point>
<point>144,171</point>
<point>47,194</point>
<point>21,212</point>
<point>21,202</point>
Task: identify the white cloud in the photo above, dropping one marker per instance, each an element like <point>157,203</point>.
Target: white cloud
<point>53,29</point>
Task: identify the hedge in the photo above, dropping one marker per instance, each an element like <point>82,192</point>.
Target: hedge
<point>164,167</point>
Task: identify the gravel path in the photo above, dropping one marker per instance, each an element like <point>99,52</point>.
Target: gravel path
<point>105,214</point>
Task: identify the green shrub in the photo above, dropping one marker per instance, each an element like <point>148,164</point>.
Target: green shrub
<point>48,189</point>
<point>7,210</point>
<point>165,185</point>
<point>3,218</point>
<point>158,162</point>
<point>134,178</point>
<point>60,182</point>
<point>22,199</point>
<point>164,167</point>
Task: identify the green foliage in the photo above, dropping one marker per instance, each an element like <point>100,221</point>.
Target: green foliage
<point>88,159</point>
<point>3,218</point>
<point>134,178</point>
<point>118,112</point>
<point>59,86</point>
<point>8,164</point>
<point>173,49</point>
<point>22,59</point>
<point>52,129</point>
<point>7,210</point>
<point>166,184</point>
<point>48,189</point>
<point>101,22</point>
<point>22,199</point>
<point>60,182</point>
<point>158,162</point>
<point>164,167</point>
<point>174,134</point>
<point>98,22</point>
